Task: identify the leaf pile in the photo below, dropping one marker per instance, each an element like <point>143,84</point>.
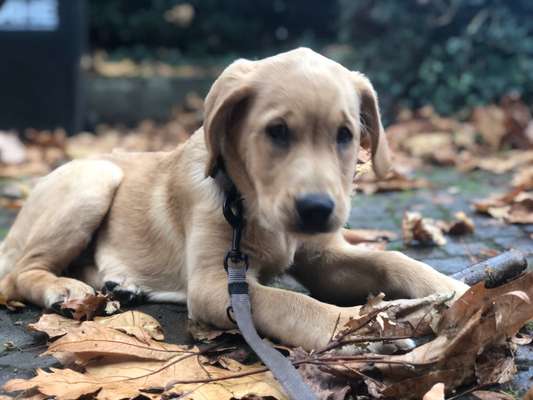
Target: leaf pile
<point>514,207</point>
<point>465,344</point>
<point>36,153</point>
<point>122,357</point>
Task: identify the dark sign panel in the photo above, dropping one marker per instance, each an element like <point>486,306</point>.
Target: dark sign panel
<point>41,43</point>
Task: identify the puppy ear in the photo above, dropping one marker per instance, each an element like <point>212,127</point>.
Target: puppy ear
<point>229,90</point>
<point>371,124</point>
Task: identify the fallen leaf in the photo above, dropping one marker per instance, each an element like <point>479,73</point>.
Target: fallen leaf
<point>524,177</point>
<point>206,333</point>
<point>515,206</point>
<point>470,345</point>
<point>398,318</point>
<point>422,230</point>
<point>521,211</point>
<point>134,323</point>
<point>86,308</point>
<point>499,164</point>
<point>325,386</point>
<point>461,225</point>
<point>395,181</point>
<point>53,325</point>
<point>117,365</point>
<point>529,394</point>
<point>487,395</point>
<point>490,122</point>
<point>500,200</point>
<point>435,393</point>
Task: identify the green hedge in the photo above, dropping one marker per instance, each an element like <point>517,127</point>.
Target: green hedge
<point>450,53</point>
<point>219,27</point>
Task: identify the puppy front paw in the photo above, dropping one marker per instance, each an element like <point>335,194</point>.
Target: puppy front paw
<point>127,295</point>
<point>63,290</point>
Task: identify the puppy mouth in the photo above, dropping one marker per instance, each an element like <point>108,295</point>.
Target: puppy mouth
<point>310,227</point>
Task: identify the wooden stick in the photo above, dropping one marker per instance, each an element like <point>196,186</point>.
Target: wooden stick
<point>494,271</point>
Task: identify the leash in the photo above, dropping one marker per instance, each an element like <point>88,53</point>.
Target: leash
<point>236,265</point>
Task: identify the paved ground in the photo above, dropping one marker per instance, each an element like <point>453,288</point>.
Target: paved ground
<point>451,192</point>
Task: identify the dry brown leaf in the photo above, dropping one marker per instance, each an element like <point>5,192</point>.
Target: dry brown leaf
<point>469,328</point>
<point>425,231</point>
<point>86,308</point>
<point>53,325</point>
<point>325,386</point>
<point>124,367</point>
<point>435,393</point>
<point>487,395</point>
<point>497,201</point>
<point>521,211</point>
<point>91,339</point>
<point>205,333</point>
<point>461,225</point>
<point>517,118</point>
<point>134,323</point>
<point>499,164</point>
<point>524,177</point>
<point>515,206</point>
<point>397,318</point>
<point>529,394</point>
<point>395,181</point>
<point>470,345</point>
<point>495,366</point>
<point>490,122</point>
<point>426,144</point>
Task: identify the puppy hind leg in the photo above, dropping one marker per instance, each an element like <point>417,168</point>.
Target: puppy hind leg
<point>55,225</point>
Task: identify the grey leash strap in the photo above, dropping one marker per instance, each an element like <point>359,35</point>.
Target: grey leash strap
<point>280,366</point>
<point>236,264</point>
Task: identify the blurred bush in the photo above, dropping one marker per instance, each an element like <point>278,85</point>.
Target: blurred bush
<point>197,28</point>
<point>449,53</point>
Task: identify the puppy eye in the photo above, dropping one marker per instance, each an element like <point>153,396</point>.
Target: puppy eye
<point>344,136</point>
<point>278,134</point>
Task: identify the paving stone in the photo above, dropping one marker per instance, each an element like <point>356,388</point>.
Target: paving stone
<point>528,228</point>
<point>449,265</point>
<point>420,252</point>
<point>487,227</point>
<point>463,248</point>
<point>525,245</point>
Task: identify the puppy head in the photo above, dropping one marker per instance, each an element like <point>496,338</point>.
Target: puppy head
<point>288,129</point>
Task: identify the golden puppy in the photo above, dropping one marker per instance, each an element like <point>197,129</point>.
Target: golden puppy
<point>287,129</point>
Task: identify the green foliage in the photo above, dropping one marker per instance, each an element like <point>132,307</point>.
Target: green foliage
<point>449,53</point>
<point>218,27</point>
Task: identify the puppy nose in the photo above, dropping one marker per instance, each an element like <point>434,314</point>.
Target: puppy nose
<point>314,210</point>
